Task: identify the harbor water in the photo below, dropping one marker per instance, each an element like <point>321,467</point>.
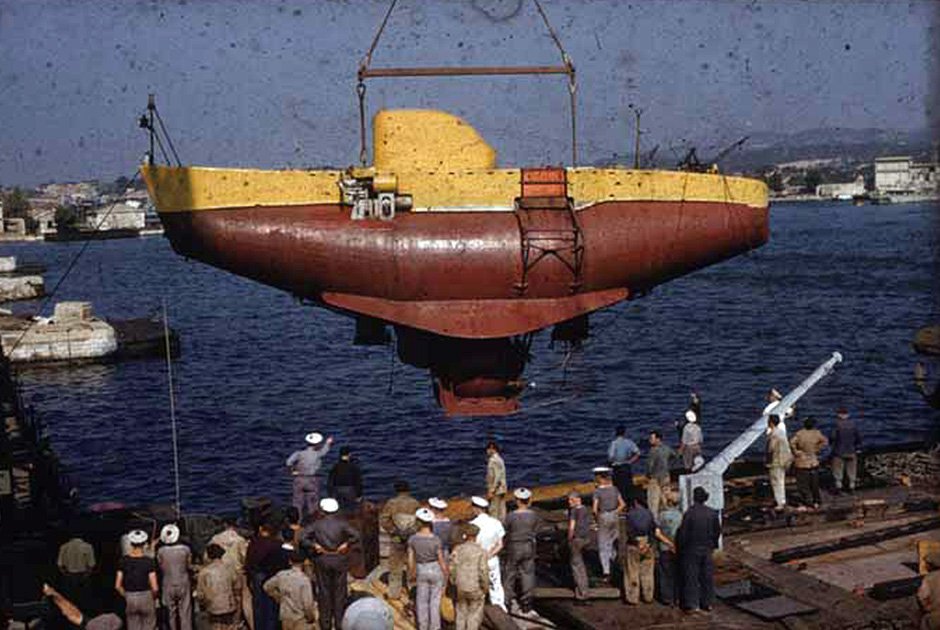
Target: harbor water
<point>259,370</point>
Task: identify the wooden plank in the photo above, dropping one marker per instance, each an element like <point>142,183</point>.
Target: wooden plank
<point>550,592</point>
<point>855,540</point>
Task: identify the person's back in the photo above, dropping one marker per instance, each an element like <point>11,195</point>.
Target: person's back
<point>235,546</point>
<point>398,511</point>
<point>522,526</point>
<point>700,530</point>
<point>292,589</point>
<point>76,557</point>
<point>174,561</point>
<point>217,587</point>
<point>845,438</point>
<point>806,445</point>
<point>470,572</point>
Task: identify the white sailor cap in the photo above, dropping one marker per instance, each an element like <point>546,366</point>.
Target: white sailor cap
<point>601,470</point>
<point>437,503</point>
<point>137,537</point>
<point>523,494</point>
<point>424,515</point>
<point>169,534</point>
<point>329,505</point>
<point>287,547</point>
<point>698,462</point>
<point>480,502</point>
<point>313,438</point>
<point>775,394</point>
<point>690,416</point>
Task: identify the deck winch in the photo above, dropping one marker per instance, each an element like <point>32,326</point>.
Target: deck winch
<point>373,195</point>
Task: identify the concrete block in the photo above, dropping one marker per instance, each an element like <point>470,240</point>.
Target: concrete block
<point>21,288</point>
<point>66,312</point>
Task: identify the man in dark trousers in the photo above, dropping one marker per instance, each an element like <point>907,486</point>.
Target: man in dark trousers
<point>696,539</point>
<point>522,526</point>
<point>329,541</point>
<point>621,455</point>
<point>345,481</point>
<point>845,442</point>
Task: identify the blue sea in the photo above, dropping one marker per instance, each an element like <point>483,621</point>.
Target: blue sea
<point>258,370</point>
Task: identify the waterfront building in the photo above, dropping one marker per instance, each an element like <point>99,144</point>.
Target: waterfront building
<point>901,175</point>
<point>846,190</point>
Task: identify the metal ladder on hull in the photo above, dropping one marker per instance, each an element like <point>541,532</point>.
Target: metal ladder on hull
<point>548,225</point>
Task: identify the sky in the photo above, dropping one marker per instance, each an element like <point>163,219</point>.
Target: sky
<point>270,83</point>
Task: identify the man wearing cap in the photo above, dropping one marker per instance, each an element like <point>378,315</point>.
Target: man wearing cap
<point>640,562</point>
<point>175,561</point>
<point>690,446</point>
<point>235,547</point>
<point>696,540</point>
<point>293,592</point>
<point>136,582</point>
<point>495,481</point>
<point>491,539</point>
<point>442,526</point>
<point>929,593</point>
<point>606,504</point>
<point>658,466</point>
<point>469,573</point>
<point>522,525</point>
<point>345,481</point>
<point>846,442</point>
<point>330,539</point>
<point>304,465</point>
<point>621,455</point>
<point>397,519</point>
<point>428,571</point>
<point>218,589</point>
<point>779,458</point>
<point>579,533</point>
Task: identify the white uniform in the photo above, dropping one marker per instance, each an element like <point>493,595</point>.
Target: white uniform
<point>491,533</point>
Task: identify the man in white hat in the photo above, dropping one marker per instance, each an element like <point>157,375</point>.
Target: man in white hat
<point>136,582</point>
<point>428,571</point>
<point>292,590</point>
<point>606,504</point>
<point>175,560</point>
<point>442,525</point>
<point>522,525</point>
<point>329,540</point>
<point>490,539</point>
<point>691,445</point>
<point>305,465</point>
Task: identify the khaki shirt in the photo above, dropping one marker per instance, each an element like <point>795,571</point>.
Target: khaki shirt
<point>76,557</point>
<point>469,571</point>
<point>404,507</point>
<point>778,450</point>
<point>495,475</point>
<point>235,547</point>
<point>806,445</point>
<point>218,589</point>
<point>293,591</point>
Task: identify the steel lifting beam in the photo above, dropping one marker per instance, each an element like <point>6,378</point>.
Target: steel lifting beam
<point>444,71</point>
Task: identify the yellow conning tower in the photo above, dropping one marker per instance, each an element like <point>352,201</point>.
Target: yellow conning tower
<point>427,140</point>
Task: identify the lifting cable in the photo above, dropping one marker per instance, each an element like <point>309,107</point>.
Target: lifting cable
<point>366,72</point>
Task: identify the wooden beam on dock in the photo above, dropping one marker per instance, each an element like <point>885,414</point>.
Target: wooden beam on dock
<point>554,592</point>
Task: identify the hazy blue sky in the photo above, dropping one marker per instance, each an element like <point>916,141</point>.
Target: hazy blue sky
<point>269,83</point>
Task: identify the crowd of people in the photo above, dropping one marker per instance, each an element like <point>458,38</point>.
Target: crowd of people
<point>292,573</point>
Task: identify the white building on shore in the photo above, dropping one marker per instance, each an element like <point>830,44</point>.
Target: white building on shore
<point>901,175</point>
<point>846,190</point>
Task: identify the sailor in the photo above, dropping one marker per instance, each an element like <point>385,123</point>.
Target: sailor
<point>293,592</point>
<point>175,562</point>
<point>469,573</point>
<point>640,565</point>
<point>136,582</point>
<point>658,466</point>
<point>621,455</point>
<point>397,519</point>
<point>522,525</point>
<point>304,465</point>
<point>345,481</point>
<point>667,571</point>
<point>779,458</point>
<point>428,571</point>
<point>368,613</point>
<point>442,525</point>
<point>691,444</point>
<point>218,589</point>
<point>495,481</point>
<point>606,505</point>
<point>846,443</point>
<point>773,399</point>
<point>330,539</point>
<point>696,539</point>
<point>491,539</point>
<point>929,593</point>
<point>579,533</point>
<point>235,547</point>
<point>806,445</point>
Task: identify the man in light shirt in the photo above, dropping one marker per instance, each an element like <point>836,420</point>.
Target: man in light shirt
<point>490,539</point>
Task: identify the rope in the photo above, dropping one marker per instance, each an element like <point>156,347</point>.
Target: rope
<point>375,40</point>
<point>166,134</point>
<point>551,31</point>
<point>68,270</point>
<point>361,92</point>
<point>169,375</point>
